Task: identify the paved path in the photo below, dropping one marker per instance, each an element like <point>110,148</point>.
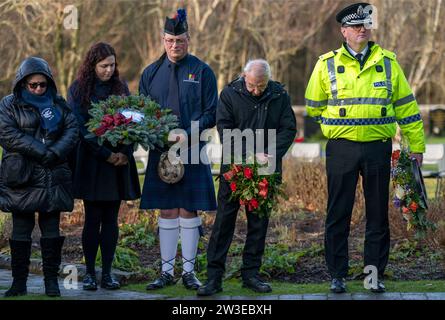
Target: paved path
<point>35,286</point>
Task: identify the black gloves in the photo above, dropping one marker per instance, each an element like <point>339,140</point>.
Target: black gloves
<point>50,159</point>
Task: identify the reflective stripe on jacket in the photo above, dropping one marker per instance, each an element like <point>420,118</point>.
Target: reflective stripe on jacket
<point>363,103</point>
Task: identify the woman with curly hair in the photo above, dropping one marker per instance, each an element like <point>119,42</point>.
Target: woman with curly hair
<point>104,175</point>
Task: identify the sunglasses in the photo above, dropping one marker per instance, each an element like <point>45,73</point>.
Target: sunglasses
<point>34,85</point>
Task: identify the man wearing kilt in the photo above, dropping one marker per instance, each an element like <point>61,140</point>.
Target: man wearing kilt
<point>183,83</point>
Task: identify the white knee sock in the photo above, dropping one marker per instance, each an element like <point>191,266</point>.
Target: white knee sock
<point>168,239</point>
<point>189,242</point>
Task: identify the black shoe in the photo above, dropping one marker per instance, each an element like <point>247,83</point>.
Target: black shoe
<point>108,282</point>
<point>89,282</point>
<point>52,287</point>
<point>166,279</point>
<point>20,254</point>
<point>18,288</point>
<point>338,285</point>
<point>257,285</point>
<point>380,287</point>
<point>211,287</point>
<point>190,281</point>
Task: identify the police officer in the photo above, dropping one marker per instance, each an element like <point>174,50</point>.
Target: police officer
<point>185,84</point>
<point>358,93</point>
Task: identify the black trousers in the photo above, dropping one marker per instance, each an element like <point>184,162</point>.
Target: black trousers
<point>23,225</point>
<point>100,228</point>
<point>345,160</point>
<point>222,235</point>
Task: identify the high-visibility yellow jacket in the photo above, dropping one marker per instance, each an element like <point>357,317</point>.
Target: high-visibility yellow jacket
<point>364,103</point>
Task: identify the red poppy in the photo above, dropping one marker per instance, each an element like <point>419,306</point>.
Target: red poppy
<point>233,186</point>
<point>405,210</point>
<point>254,203</point>
<point>101,130</point>
<point>263,193</point>
<point>118,119</point>
<point>395,155</point>
<point>413,206</point>
<point>248,173</point>
<point>108,120</point>
<point>263,184</point>
<point>228,175</point>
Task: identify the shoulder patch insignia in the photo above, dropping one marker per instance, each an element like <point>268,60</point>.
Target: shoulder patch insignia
<point>380,84</point>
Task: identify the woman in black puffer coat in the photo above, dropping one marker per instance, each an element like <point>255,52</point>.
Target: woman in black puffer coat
<point>37,130</point>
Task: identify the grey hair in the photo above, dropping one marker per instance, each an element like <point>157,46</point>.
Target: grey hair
<point>259,66</point>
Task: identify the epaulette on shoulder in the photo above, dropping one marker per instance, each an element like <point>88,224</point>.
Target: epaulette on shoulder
<point>328,55</point>
<point>389,54</point>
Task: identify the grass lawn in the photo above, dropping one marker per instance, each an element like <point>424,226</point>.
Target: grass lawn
<point>233,288</point>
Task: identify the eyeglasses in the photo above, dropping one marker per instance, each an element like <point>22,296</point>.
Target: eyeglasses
<point>358,27</point>
<point>34,85</point>
<point>171,42</point>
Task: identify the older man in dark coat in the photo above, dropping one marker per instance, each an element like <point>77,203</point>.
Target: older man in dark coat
<point>254,102</point>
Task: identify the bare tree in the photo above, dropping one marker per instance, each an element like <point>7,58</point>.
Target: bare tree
<point>415,32</point>
<point>289,34</point>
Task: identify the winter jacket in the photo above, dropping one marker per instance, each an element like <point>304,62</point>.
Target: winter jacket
<point>363,102</point>
<point>49,188</point>
<point>238,109</point>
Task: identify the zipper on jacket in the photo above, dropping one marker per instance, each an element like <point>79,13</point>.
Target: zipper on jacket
<point>48,175</point>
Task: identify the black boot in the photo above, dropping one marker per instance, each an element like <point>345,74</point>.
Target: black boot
<point>20,254</point>
<point>90,282</point>
<point>256,284</point>
<point>211,287</point>
<point>51,258</point>
<point>338,285</point>
<point>108,282</point>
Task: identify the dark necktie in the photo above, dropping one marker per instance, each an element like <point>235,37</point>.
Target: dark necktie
<point>359,56</point>
<point>173,90</point>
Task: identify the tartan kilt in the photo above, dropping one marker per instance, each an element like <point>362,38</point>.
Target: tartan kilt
<point>194,192</point>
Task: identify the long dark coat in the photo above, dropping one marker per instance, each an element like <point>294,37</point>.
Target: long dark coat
<point>94,178</point>
<point>49,188</point>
